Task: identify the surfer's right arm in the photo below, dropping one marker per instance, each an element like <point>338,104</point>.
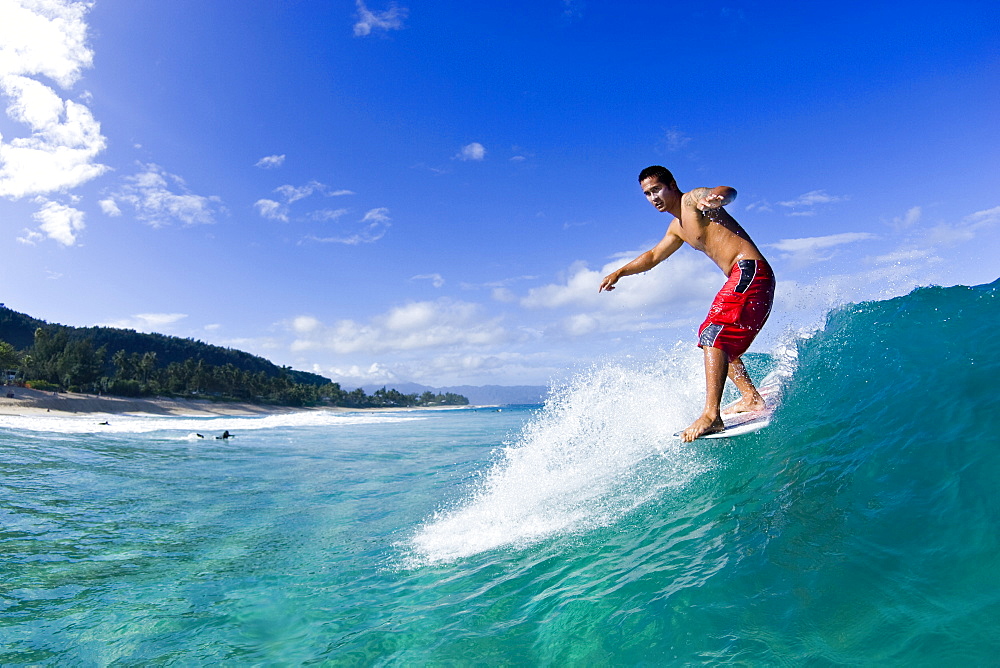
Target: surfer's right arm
<point>654,256</point>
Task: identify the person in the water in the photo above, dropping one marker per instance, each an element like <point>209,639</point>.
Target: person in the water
<point>742,305</point>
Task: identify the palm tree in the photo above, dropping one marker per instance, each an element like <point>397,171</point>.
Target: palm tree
<point>10,360</point>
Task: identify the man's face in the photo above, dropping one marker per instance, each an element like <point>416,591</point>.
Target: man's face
<point>658,194</point>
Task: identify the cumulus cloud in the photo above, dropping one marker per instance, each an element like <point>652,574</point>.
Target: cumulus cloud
<point>271,161</point>
<point>369,21</point>
<point>677,280</point>
<point>46,39</point>
<point>675,291</point>
<point>268,208</point>
<point>444,323</point>
<point>473,151</point>
<point>160,198</point>
<point>59,222</point>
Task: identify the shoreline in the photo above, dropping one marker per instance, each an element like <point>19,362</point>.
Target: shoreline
<point>39,402</point>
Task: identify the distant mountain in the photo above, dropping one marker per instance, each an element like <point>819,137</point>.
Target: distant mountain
<point>478,395</point>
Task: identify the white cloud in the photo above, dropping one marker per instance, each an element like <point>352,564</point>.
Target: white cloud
<point>271,161</point>
<point>812,198</point>
<point>811,245</point>
<point>948,234</point>
<point>760,205</point>
<point>59,222</point>
<point>809,250</point>
<point>149,194</point>
<point>390,19</point>
<point>446,324</point>
<point>473,151</point>
<point>674,292</point>
<point>64,141</point>
<point>356,375</point>
<point>271,210</point>
<point>46,39</point>
<point>289,194</point>
<point>147,322</point>
<point>374,226</point>
<point>503,295</point>
<point>304,324</point>
<point>295,193</point>
<point>679,279</point>
<point>911,218</point>
<point>984,219</point>
<point>31,237</point>
<point>109,207</point>
<point>323,215</point>
<point>906,256</point>
<point>437,280</point>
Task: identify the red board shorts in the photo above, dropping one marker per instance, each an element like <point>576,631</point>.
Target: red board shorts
<point>740,309</point>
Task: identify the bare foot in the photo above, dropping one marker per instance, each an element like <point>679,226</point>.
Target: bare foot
<point>702,426</point>
<point>745,405</point>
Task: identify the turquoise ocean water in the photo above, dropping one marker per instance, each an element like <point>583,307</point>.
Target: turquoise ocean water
<point>861,528</point>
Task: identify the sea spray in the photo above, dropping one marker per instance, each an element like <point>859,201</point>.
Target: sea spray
<point>601,446</point>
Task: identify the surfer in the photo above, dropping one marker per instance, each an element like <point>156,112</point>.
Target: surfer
<point>742,305</point>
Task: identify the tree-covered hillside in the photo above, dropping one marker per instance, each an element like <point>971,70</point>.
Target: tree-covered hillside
<point>124,362</point>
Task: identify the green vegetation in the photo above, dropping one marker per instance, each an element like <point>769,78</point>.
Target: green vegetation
<point>105,360</point>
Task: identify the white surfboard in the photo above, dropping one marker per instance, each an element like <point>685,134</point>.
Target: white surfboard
<point>747,423</point>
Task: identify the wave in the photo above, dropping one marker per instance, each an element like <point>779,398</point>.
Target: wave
<point>132,424</point>
<point>881,388</point>
<point>601,446</point>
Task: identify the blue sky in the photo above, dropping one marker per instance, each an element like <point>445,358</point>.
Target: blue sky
<point>431,192</point>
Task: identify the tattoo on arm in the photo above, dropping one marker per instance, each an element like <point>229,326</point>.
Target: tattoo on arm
<point>693,196</point>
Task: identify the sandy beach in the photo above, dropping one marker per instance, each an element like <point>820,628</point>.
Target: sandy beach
<point>26,401</point>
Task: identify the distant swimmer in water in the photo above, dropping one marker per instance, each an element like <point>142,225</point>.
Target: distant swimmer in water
<point>742,305</point>
<point>199,436</point>
<point>225,436</point>
<point>105,423</point>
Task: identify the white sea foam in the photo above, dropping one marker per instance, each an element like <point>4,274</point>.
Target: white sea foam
<point>141,424</point>
<point>602,445</point>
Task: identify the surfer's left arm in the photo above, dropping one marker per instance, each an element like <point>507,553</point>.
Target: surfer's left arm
<point>705,199</point>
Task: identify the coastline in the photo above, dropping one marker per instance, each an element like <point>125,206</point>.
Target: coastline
<point>38,402</point>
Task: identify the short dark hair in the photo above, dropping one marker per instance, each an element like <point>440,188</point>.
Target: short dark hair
<point>662,174</point>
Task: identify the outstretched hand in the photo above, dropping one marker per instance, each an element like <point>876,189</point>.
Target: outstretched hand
<point>710,201</point>
<point>609,282</point>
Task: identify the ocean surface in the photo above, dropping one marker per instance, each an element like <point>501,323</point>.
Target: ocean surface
<point>861,528</point>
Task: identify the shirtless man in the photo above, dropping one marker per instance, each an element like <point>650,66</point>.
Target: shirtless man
<point>742,305</point>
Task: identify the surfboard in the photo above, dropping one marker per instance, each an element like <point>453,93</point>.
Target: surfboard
<point>747,423</point>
